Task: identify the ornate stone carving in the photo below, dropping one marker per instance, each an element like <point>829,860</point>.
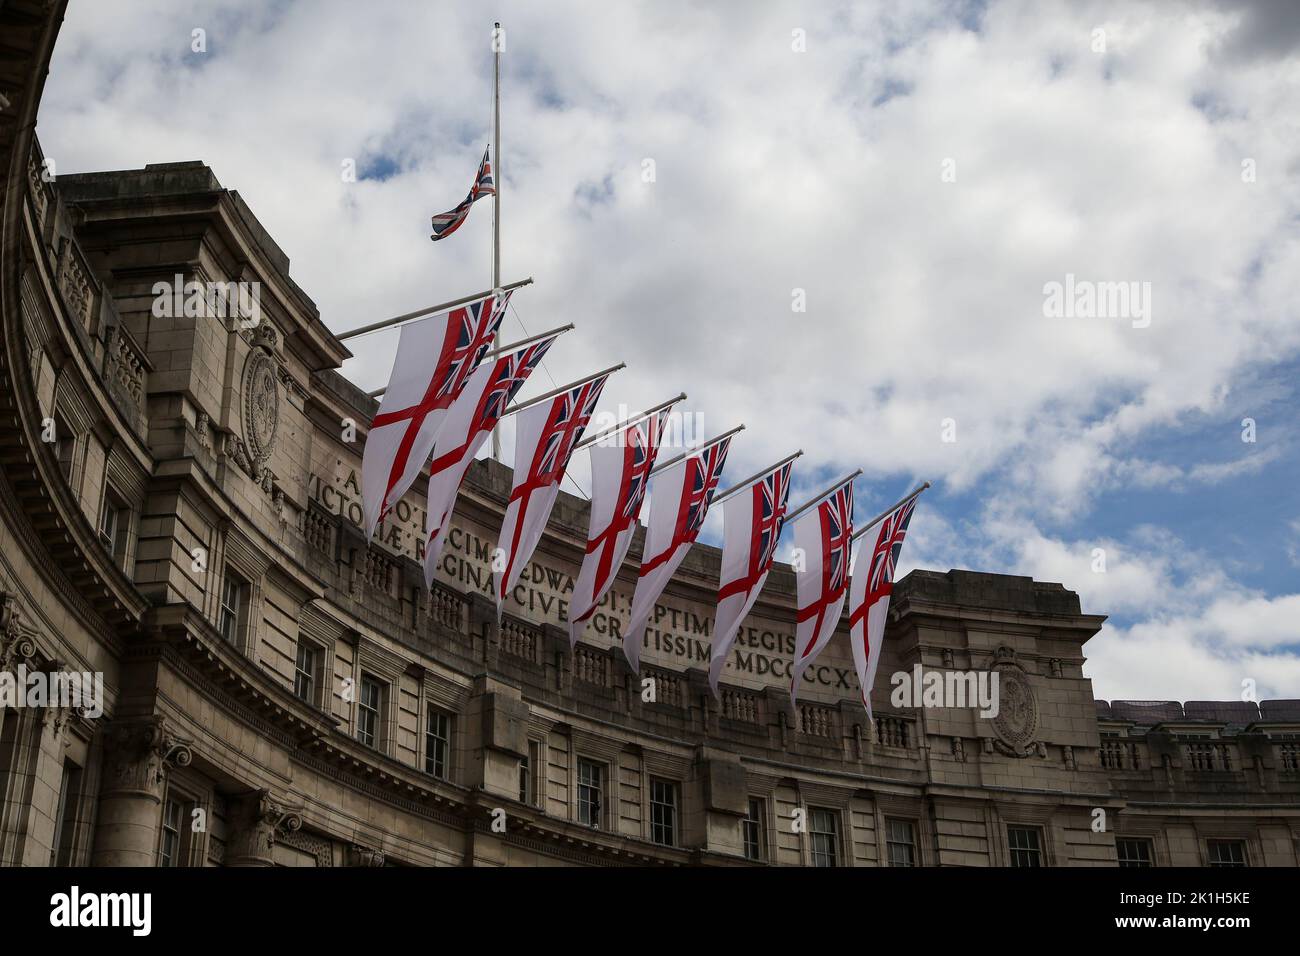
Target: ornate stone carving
<point>203,428</point>
<point>1017,719</point>
<point>364,856</point>
<point>317,846</point>
<point>256,822</point>
<point>75,286</point>
<point>15,647</point>
<point>261,405</point>
<point>57,719</point>
<point>139,753</point>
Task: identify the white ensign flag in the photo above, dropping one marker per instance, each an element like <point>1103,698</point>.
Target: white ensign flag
<point>751,529</point>
<point>679,503</point>
<point>873,583</point>
<point>825,539</point>
<point>435,358</point>
<point>620,474</point>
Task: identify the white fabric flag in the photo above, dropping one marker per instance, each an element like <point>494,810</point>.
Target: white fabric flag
<point>467,426</point>
<point>869,591</point>
<point>678,506</point>
<point>545,435</point>
<point>825,537</point>
<point>620,474</point>
<point>751,530</point>
<point>435,358</point>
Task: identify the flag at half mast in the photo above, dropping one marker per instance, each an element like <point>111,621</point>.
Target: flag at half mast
<point>445,223</point>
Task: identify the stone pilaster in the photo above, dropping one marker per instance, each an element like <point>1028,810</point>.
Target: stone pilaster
<point>256,820</point>
<point>138,754</point>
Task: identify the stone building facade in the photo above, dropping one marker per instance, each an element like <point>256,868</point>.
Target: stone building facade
<point>180,513</point>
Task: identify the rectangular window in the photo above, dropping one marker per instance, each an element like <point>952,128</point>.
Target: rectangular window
<point>1026,846</point>
<point>753,831</point>
<point>530,769</point>
<point>1227,853</point>
<point>663,812</point>
<point>114,525</point>
<point>590,792</point>
<point>1134,852</point>
<point>306,667</point>
<point>65,446</point>
<point>900,840</point>
<point>824,827</point>
<point>234,606</point>
<point>65,830</point>
<point>169,846</point>
<point>437,743</point>
<point>368,711</point>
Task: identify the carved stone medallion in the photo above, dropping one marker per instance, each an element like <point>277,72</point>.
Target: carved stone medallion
<point>1017,720</point>
<point>261,405</point>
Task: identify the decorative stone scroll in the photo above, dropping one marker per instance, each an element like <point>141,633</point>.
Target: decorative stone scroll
<point>139,754</point>
<point>256,821</point>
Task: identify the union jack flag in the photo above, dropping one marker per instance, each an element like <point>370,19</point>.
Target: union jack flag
<point>889,543</point>
<point>772,492</point>
<point>838,519</point>
<point>569,417</point>
<point>637,462</point>
<point>444,224</point>
<point>473,339</point>
<point>705,471</point>
<point>509,376</point>
<point>699,482</point>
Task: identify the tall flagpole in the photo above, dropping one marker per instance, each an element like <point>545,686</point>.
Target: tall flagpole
<point>497,37</point>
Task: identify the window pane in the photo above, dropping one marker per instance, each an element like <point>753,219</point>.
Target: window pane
<point>304,678</point>
<point>824,827</point>
<point>752,830</point>
<point>170,845</point>
<point>1134,852</point>
<point>1025,846</point>
<point>368,712</point>
<point>437,743</point>
<point>589,792</point>
<point>900,837</point>
<point>663,812</point>
<point>1227,853</point>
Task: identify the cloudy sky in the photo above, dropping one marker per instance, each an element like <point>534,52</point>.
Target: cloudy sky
<point>679,176</point>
